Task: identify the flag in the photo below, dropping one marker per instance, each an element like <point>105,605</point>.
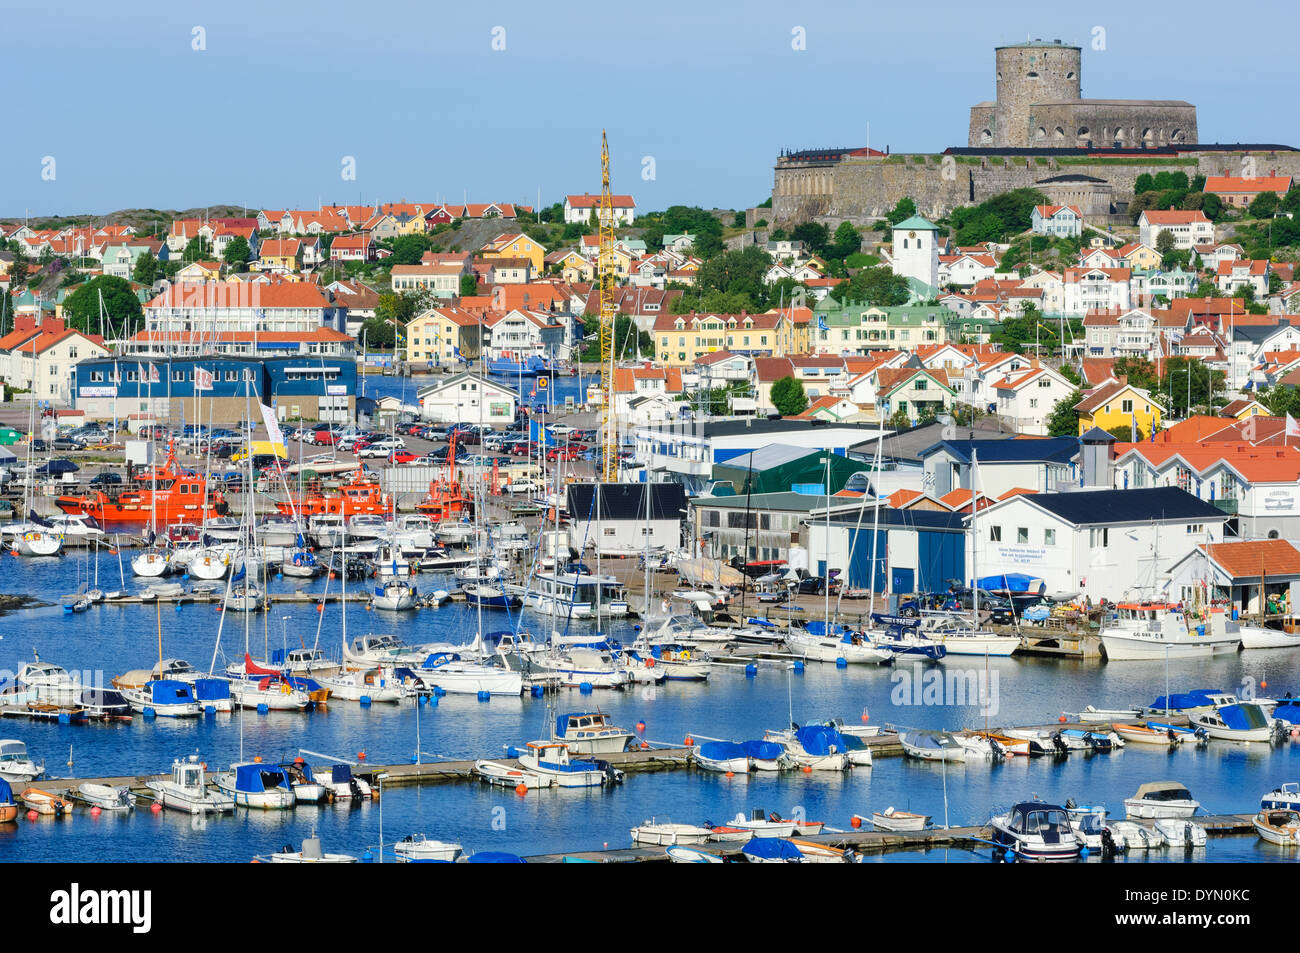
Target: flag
<point>1292,428</point>
<point>202,379</point>
<point>1133,428</point>
<point>821,323</point>
<point>272,428</point>
<point>153,373</point>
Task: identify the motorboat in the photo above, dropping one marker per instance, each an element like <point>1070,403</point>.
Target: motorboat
<point>343,785</point>
<point>931,746</point>
<point>503,775</point>
<point>311,853</point>
<point>766,755</point>
<point>306,789</point>
<point>552,758</point>
<point>1154,631</point>
<point>1283,797</point>
<point>1259,637</point>
<point>722,757</point>
<point>1091,827</point>
<point>376,684</point>
<point>105,797</point>
<point>1104,716</point>
<point>1188,703</point>
<point>489,597</point>
<point>256,785</point>
<point>1244,721</point>
<point>303,661</point>
<point>48,684</point>
<point>1036,831</point>
<point>16,764</point>
<point>1179,832</point>
<point>576,595</point>
<point>902,635</point>
<point>656,833</point>
<point>763,825</point>
<point>1137,836</point>
<point>688,630</point>
<point>165,698</point>
<point>416,848</point>
<point>1161,799</point>
<point>771,850</point>
<point>590,732</point>
<point>958,637</point>
<point>892,819</point>
<point>689,855</point>
<point>455,676</point>
<point>394,596</point>
<point>679,663</point>
<point>187,790</point>
<point>43,802</point>
<point>583,665</point>
<point>384,649</point>
<point>813,746</point>
<point>390,562</point>
<point>363,526</point>
<point>1141,734</point>
<point>1279,826</point>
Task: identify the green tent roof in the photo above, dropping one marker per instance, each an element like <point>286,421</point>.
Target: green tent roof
<point>916,223</point>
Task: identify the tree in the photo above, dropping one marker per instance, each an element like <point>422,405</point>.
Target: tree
<point>121,306</point>
<point>18,270</point>
<point>1145,183</point>
<point>1212,205</point>
<point>409,249</point>
<point>847,241</point>
<point>1064,419</point>
<point>1265,205</point>
<point>788,397</point>
<point>468,285</point>
<point>1165,242</point>
<point>146,269</point>
<point>905,209</point>
<point>237,252</point>
<point>738,220</point>
<point>898,420</point>
<point>876,287</point>
<point>198,249</point>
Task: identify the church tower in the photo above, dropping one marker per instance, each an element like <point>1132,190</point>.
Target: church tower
<point>916,250</point>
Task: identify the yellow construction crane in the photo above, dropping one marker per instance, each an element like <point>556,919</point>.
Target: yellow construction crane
<point>608,313</point>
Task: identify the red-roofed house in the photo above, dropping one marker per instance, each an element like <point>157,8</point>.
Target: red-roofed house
<point>39,356</point>
<point>1244,272</point>
<point>1062,221</point>
<point>1188,227</point>
<point>1239,191</point>
<point>578,208</point>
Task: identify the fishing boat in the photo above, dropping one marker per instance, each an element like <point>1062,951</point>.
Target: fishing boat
<point>892,819</point>
<point>1158,630</point>
<point>1279,826</point>
<point>187,790</point>
<point>416,849</point>
<point>8,806</point>
<point>1244,721</point>
<point>306,789</point>
<point>723,757</point>
<point>43,802</point>
<point>173,495</point>
<point>1161,799</point>
<point>393,596</point>
<point>311,853</point>
<point>690,855</point>
<point>590,732</point>
<point>255,785</point>
<point>1036,831</point>
<point>656,833</point>
<point>16,764</point>
<point>503,775</point>
<point>106,798</point>
<point>343,785</point>
<point>455,676</point>
<point>552,758</point>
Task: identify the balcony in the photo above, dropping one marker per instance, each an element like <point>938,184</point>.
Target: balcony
<point>1226,506</point>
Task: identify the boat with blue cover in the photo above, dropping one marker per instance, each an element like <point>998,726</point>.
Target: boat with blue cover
<point>166,698</point>
<point>1244,721</point>
<point>530,366</point>
<point>771,850</point>
<point>494,857</point>
<point>766,755</point>
<point>723,757</point>
<point>256,785</point>
<point>1184,703</point>
<point>551,759</point>
<point>818,747</point>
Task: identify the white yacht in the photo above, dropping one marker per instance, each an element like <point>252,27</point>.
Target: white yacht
<point>16,764</point>
<point>551,759</point>
<point>455,676</point>
<point>1159,630</point>
<point>187,790</point>
<point>590,732</point>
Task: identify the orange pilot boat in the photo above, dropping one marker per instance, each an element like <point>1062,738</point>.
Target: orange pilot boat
<point>169,495</point>
<point>361,495</point>
<point>445,499</point>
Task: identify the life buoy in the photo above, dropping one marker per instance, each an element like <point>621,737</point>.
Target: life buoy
<point>686,656</point>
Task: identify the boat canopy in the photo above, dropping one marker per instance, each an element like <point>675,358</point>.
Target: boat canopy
<point>819,740</point>
<point>722,750</point>
<point>1163,791</point>
<point>598,720</point>
<point>771,848</point>
<point>256,778</point>
<point>762,750</point>
<point>13,749</point>
<point>1288,712</point>
<point>1014,582</point>
<point>164,691</point>
<point>6,792</point>
<point>818,627</point>
<point>211,689</point>
<point>494,857</point>
<point>1179,701</point>
<point>340,774</point>
<point>439,659</point>
<point>1243,717</point>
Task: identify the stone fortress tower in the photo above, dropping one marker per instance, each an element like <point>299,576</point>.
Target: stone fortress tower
<point>1040,104</point>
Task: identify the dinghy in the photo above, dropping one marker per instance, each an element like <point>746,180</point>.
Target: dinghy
<point>106,798</point>
<point>43,802</point>
<point>891,819</point>
<point>655,833</point>
<point>1279,826</point>
<point>502,775</point>
<point>691,855</point>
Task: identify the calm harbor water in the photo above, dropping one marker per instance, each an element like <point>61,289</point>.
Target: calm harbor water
<point>112,639</point>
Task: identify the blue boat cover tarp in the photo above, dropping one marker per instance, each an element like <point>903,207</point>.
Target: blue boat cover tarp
<point>771,848</point>
<point>819,740</point>
<point>1179,701</point>
<point>165,691</point>
<point>6,792</point>
<point>722,750</point>
<point>494,857</point>
<point>1242,717</point>
<point>818,627</point>
<point>762,750</point>
<point>1288,712</point>
<point>341,774</point>
<point>211,689</point>
<point>252,778</point>
<point>1014,582</point>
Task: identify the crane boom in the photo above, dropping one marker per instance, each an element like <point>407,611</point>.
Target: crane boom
<point>608,314</point>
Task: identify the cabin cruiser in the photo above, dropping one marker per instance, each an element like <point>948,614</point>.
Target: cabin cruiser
<point>1036,831</point>
<point>390,562</point>
<point>455,676</point>
<point>1160,630</point>
<point>393,595</point>
<point>1161,799</point>
<point>187,790</point>
<point>278,529</point>
<point>362,526</point>
<point>580,665</point>
<point>256,785</point>
<point>590,732</point>
<point>413,531</point>
<point>551,759</point>
<point>454,531</point>
<point>576,595</point>
<point>1243,721</point>
<point>48,684</point>
<point>15,764</point>
<point>224,528</point>
<point>76,528</point>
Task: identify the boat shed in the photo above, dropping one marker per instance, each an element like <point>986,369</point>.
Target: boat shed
<point>778,467</point>
<point>1234,570</point>
<point>913,550</point>
<point>618,527</point>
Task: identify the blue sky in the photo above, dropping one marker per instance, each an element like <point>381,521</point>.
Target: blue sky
<point>417,94</point>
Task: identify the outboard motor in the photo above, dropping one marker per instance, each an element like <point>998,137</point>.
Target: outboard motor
<point>1059,743</point>
<point>354,788</point>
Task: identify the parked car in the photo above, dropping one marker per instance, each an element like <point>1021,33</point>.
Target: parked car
<point>381,448</point>
<point>521,486</point>
<point>68,443</point>
<point>401,457</point>
<point>106,478</point>
<point>325,438</point>
<point>562,453</point>
<point>997,606</point>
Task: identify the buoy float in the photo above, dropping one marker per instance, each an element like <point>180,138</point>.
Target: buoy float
<point>361,756</point>
<point>689,742</point>
<point>320,607</point>
<point>856,822</point>
<point>1263,684</point>
<point>640,726</point>
<point>807,769</point>
<point>645,746</point>
<point>865,717</point>
<point>1062,719</point>
<point>521,788</point>
<point>155,807</point>
<point>31,815</point>
<point>95,811</point>
<point>257,759</point>
<point>731,774</point>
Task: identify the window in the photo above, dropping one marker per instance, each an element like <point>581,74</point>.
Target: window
<point>1099,537</point>
<point>1022,534</point>
<point>1195,529</point>
<point>1126,406</point>
<point>995,534</point>
<point>1049,537</point>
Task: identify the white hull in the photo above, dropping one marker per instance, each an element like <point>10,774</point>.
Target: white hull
<point>669,835</point>
<point>818,649</point>
<point>995,646</point>
<point>723,765</point>
<point>1135,807</point>
<point>1122,648</point>
<point>506,776</point>
<point>38,543</point>
<point>1254,637</point>
<point>174,798</point>
<point>150,565</point>
<point>470,682</point>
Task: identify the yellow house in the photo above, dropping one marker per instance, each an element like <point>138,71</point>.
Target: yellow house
<point>1140,256</point>
<point>1241,409</point>
<point>434,336</point>
<point>516,245</point>
<point>280,254</point>
<point>681,338</point>
<point>1119,404</point>
<point>574,268</point>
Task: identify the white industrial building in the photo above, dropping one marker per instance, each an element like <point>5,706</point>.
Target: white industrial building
<point>468,398</point>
